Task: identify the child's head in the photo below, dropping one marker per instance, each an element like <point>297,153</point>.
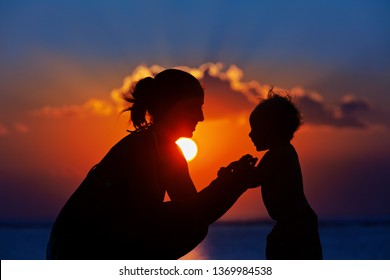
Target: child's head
<point>274,121</point>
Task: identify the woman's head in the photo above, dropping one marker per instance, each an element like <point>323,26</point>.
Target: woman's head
<point>173,98</point>
<point>274,121</point>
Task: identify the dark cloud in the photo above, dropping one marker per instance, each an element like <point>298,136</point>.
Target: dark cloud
<point>226,93</point>
<point>349,112</point>
<point>313,111</point>
<point>220,99</point>
<point>351,105</point>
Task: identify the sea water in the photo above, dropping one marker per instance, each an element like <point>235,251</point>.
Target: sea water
<point>341,240</point>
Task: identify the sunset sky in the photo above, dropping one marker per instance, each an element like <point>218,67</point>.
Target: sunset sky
<point>63,64</point>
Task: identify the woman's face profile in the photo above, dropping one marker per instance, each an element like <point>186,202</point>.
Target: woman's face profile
<point>179,114</point>
<point>185,115</point>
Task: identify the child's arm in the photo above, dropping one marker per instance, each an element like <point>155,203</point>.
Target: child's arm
<point>262,171</point>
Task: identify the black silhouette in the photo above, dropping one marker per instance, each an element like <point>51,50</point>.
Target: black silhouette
<point>118,211</point>
<point>295,234</point>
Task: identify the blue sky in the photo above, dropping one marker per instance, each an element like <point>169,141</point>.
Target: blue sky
<point>308,43</point>
<point>340,33</point>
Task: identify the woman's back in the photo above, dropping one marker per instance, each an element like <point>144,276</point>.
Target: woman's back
<point>122,200</point>
<point>117,194</point>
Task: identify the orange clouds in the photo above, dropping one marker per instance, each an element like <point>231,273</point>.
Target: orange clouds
<point>226,92</point>
<point>96,107</point>
<point>232,76</point>
<point>225,85</point>
<point>21,128</point>
<point>3,130</point>
<point>18,127</point>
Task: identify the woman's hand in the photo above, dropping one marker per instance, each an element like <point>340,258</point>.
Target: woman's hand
<point>241,172</point>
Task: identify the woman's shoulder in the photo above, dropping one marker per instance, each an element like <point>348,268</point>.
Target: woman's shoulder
<point>137,139</point>
<point>137,142</point>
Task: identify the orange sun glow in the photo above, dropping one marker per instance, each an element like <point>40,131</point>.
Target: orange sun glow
<point>188,147</point>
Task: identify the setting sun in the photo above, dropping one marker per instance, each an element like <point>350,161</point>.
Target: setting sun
<point>188,147</point>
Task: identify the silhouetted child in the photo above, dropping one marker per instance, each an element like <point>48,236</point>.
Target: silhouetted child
<point>295,235</point>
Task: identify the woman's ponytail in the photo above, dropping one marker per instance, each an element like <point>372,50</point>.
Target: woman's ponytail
<point>141,97</point>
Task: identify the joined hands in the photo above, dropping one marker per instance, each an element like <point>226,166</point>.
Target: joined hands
<point>242,172</point>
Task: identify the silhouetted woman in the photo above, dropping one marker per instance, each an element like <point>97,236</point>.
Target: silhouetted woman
<point>118,212</point>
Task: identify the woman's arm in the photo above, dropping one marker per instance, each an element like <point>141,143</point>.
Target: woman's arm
<point>212,202</point>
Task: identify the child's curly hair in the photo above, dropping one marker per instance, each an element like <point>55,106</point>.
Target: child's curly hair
<point>282,115</point>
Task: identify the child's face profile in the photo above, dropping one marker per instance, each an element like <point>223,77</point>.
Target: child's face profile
<point>259,134</point>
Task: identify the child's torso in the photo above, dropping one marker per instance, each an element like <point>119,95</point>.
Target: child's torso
<point>282,189</point>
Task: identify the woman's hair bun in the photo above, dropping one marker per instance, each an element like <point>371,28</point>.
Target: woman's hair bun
<point>143,91</point>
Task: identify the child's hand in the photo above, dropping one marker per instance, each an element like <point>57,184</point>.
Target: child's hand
<point>245,161</point>
<point>247,171</point>
<point>242,172</point>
